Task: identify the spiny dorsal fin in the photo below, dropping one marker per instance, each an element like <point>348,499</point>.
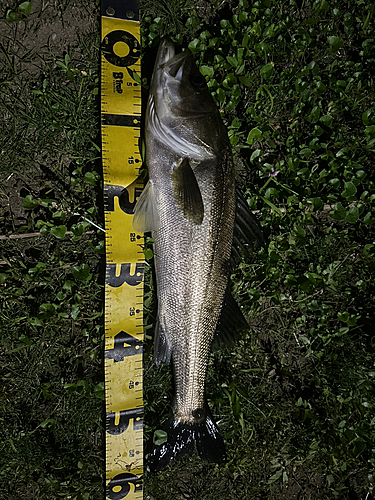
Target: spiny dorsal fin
<point>186,192</point>
<point>146,216</point>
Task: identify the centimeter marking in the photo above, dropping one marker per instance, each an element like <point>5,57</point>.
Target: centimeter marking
<point>121,121</point>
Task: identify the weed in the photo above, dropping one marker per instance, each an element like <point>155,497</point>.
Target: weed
<point>294,397</point>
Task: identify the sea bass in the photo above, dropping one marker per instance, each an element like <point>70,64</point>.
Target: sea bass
<point>189,205</point>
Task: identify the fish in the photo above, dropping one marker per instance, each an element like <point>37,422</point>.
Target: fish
<point>189,205</point>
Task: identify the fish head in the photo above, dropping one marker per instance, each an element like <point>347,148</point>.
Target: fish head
<point>181,112</point>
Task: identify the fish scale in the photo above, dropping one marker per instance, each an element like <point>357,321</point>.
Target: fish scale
<point>196,261</point>
<point>189,206</point>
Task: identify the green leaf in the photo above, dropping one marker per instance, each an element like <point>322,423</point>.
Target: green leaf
<point>313,117</point>
<point>29,202</point>
<point>148,253</point>
<point>46,311</point>
<point>78,229</point>
<point>245,80</point>
<point>266,71</point>
<point>344,316</point>
<point>330,479</point>
<point>75,311</point>
<point>326,120</point>
<point>317,131</point>
<point>368,249</point>
<point>61,65</point>
<point>25,8</point>
<point>370,132</point>
<point>232,61</point>
<point>349,190</point>
<point>35,322</point>
<point>50,422</point>
<point>368,219</point>
<point>317,203</point>
<point>271,193</point>
<point>335,182</point>
<point>320,88</point>
<point>3,278</point>
<point>58,231</point>
<point>342,153</point>
<point>243,16</point>
<point>245,41</point>
<point>335,43</point>
<point>366,117</point>
<point>299,231</point>
<point>274,207</point>
<point>70,388</point>
<point>90,177</point>
<point>255,154</point>
<point>220,95</point>
<point>12,17</point>
<point>359,446</point>
<point>99,391</point>
<point>255,133</point>
<point>352,215</point>
<point>160,437</point>
<point>275,477</point>
<point>338,212</point>
<point>207,71</point>
<point>313,67</point>
<point>63,315</point>
<point>305,153</point>
<point>224,23</point>
<point>68,285</point>
<point>81,272</point>
<point>193,44</point>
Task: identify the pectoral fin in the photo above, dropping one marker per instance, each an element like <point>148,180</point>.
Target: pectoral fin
<point>146,216</point>
<point>186,192</point>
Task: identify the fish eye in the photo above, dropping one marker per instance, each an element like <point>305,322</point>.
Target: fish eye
<point>198,81</point>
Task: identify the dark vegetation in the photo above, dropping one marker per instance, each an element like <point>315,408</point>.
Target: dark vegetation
<point>294,397</point>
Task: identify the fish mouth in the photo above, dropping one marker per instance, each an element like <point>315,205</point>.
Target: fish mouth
<point>175,104</point>
<point>166,52</point>
<point>169,63</point>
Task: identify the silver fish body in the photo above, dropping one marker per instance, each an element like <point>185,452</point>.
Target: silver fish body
<point>189,206</point>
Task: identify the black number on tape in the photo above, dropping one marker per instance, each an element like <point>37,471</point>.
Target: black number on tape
<point>125,416</point>
<point>127,206</point>
<point>125,345</point>
<point>123,481</point>
<point>110,40</point>
<point>125,276</point>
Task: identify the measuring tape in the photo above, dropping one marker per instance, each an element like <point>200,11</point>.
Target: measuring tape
<point>121,121</point>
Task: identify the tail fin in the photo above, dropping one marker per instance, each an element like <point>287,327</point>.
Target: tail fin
<point>181,438</point>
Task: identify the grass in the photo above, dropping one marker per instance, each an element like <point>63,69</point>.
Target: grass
<point>294,397</point>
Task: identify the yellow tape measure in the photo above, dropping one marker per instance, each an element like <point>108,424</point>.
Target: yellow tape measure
<point>121,120</point>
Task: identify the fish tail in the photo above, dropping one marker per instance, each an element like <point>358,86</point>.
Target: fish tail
<point>184,438</point>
